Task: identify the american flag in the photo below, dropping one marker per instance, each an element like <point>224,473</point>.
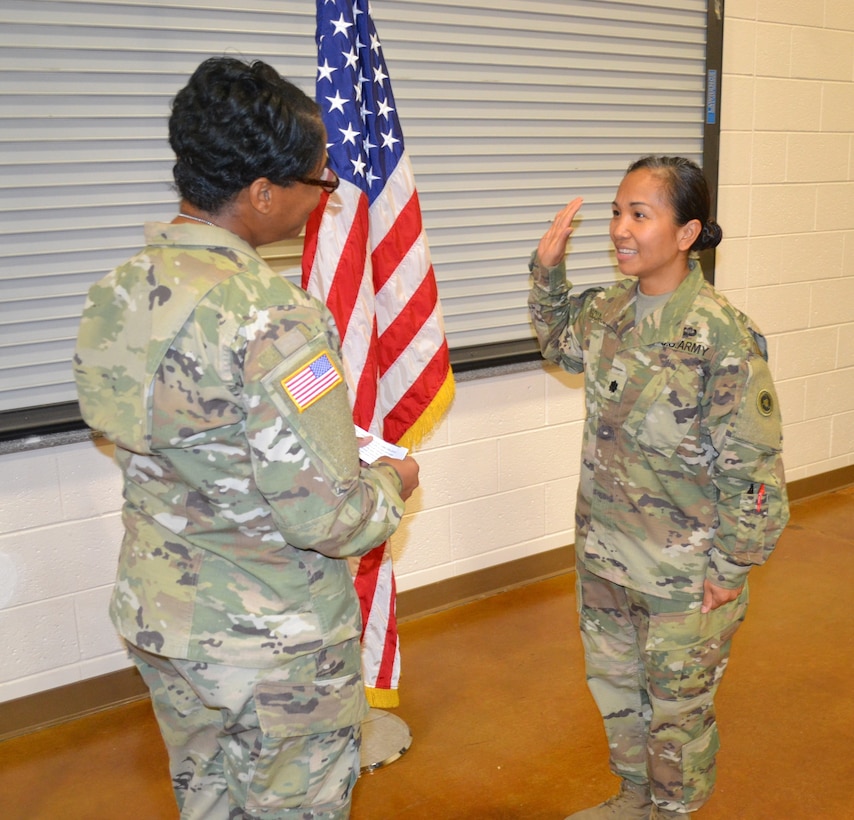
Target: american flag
<point>366,256</point>
<point>311,382</point>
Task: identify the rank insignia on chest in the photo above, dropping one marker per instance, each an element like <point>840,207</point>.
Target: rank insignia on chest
<point>612,385</point>
<point>312,381</point>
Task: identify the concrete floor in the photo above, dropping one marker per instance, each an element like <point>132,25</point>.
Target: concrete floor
<point>502,723</point>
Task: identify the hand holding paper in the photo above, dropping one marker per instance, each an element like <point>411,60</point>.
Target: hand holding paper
<point>379,450</point>
<point>377,447</point>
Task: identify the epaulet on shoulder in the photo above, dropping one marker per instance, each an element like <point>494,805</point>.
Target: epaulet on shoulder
<point>740,320</point>
<point>589,293</point>
<point>755,334</point>
<point>760,341</point>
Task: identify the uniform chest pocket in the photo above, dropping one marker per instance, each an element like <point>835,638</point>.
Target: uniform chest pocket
<point>667,409</point>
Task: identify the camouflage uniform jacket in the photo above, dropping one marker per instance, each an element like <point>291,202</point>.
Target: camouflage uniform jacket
<point>681,470</point>
<point>242,481</point>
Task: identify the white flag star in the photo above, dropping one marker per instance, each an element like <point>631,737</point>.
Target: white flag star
<point>349,134</point>
<point>379,76</point>
<point>389,140</point>
<point>324,72</point>
<point>337,102</point>
<point>351,57</point>
<point>384,109</point>
<point>341,25</point>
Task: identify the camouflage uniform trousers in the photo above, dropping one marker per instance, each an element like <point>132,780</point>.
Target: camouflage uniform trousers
<point>653,667</point>
<point>280,743</point>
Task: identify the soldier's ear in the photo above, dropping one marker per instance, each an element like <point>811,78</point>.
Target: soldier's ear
<point>687,234</point>
<point>260,197</point>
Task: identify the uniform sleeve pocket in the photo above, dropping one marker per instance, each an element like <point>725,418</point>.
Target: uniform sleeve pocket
<point>758,420</point>
<point>309,391</point>
<point>754,537</point>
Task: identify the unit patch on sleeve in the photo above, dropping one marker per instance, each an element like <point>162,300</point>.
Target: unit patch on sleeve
<point>765,402</point>
<point>312,381</point>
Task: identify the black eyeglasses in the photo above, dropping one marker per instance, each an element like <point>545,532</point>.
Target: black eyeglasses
<point>329,180</point>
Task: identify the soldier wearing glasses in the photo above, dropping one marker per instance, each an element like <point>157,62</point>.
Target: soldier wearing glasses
<point>221,385</point>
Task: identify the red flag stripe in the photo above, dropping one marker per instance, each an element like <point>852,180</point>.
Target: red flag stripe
<point>408,322</point>
<point>367,390</point>
<point>403,283</point>
<point>389,664</point>
<point>419,395</point>
<point>380,630</point>
<point>396,244</point>
<point>412,360</point>
<point>344,289</point>
<point>366,579</point>
<point>312,228</point>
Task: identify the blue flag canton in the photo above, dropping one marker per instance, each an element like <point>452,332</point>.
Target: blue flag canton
<point>321,366</point>
<point>353,90</point>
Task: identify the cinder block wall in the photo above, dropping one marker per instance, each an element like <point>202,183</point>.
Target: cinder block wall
<point>787,209</point>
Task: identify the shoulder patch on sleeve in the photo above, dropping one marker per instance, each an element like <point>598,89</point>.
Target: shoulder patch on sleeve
<point>312,381</point>
<point>759,419</point>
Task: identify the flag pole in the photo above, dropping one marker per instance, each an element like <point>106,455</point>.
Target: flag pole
<point>366,256</point>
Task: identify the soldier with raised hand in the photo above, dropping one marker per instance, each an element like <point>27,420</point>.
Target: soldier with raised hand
<point>221,385</point>
<point>681,489</point>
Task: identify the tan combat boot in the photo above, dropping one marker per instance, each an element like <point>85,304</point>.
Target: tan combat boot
<point>632,803</point>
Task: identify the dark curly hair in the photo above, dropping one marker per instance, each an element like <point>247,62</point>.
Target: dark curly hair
<point>235,122</point>
<point>689,195</point>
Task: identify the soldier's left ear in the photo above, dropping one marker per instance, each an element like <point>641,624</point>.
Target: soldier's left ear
<point>688,233</point>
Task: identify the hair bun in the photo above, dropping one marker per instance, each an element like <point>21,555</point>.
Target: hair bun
<point>710,237</point>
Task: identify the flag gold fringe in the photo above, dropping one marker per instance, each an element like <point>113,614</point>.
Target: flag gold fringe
<point>382,698</point>
<point>431,416</point>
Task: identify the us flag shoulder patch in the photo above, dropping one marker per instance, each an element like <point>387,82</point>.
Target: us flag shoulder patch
<point>312,381</point>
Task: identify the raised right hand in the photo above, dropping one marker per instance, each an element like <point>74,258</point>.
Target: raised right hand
<point>552,247</point>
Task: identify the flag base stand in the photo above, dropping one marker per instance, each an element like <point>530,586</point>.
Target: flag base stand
<point>385,737</point>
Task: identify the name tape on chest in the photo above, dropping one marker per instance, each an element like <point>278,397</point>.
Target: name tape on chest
<point>694,348</point>
<point>312,381</point>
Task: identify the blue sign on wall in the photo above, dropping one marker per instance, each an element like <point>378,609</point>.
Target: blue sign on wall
<point>712,97</point>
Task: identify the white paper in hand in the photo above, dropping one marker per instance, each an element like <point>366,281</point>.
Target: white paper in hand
<point>377,447</point>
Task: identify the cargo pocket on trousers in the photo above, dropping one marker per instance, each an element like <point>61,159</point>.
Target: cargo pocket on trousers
<point>308,742</point>
<point>687,651</point>
<point>698,761</point>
